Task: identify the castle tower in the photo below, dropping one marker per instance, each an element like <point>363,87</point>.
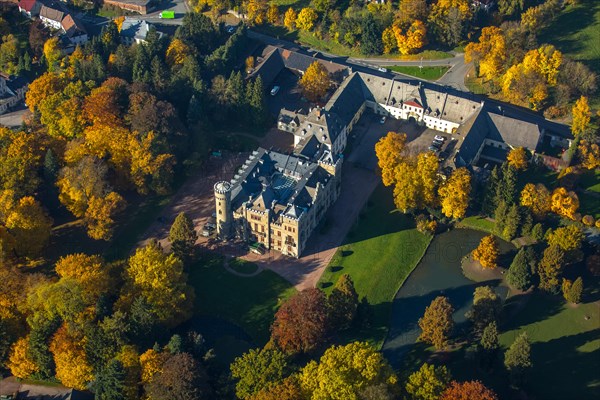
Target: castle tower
<point>223,209</point>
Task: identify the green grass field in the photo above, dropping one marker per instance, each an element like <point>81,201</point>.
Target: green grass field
<point>591,181</point>
<point>249,303</point>
<point>576,32</point>
<point>477,223</point>
<point>429,73</point>
<point>379,253</point>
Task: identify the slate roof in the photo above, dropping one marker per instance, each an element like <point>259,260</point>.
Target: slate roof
<point>514,132</point>
<point>268,69</point>
<point>347,100</point>
<point>135,29</point>
<point>52,13</point>
<point>279,182</point>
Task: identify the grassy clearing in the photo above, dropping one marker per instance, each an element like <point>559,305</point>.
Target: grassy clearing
<point>576,32</point>
<point>243,266</point>
<point>379,254</point>
<point>249,303</point>
<point>591,181</point>
<point>429,73</point>
<point>478,223</point>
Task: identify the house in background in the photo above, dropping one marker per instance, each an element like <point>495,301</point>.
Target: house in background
<point>138,6</point>
<point>135,31</point>
<point>12,389</point>
<point>74,30</point>
<point>30,8</point>
<point>12,91</point>
<point>51,17</point>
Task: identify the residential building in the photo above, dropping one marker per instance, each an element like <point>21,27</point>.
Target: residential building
<point>12,91</point>
<point>13,389</point>
<point>51,17</point>
<point>277,199</point>
<point>135,31</point>
<point>138,6</point>
<point>30,8</point>
<point>74,30</point>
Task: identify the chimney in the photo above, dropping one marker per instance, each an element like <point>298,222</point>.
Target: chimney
<point>318,112</point>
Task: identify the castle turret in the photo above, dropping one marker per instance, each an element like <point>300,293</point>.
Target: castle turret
<point>223,209</point>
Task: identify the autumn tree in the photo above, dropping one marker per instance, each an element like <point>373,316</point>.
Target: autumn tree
<point>302,322</point>
<point>454,193</point>
<point>183,237</point>
<point>52,53</point>
<point>572,291</point>
<point>413,39</point>
<point>273,14</point>
<point>436,324</point>
<point>289,19</point>
<point>487,252</point>
<point>564,203</point>
<point>257,370</point>
<point>20,159</point>
<point>72,368</point>
<point>343,301</point>
<point>180,378</point>
<point>389,150</point>
<point>411,10</point>
<point>537,198</point>
<point>428,382</point>
<point>306,19</point>
<point>89,271</point>
<point>160,279</point>
<point>581,116</point>
<point>517,158</point>
<point>589,153</point>
<point>448,19</point>
<point>343,371</point>
<point>315,82</point>
<point>177,52</point>
<point>29,225</point>
<point>99,216</point>
<point>19,362</point>
<point>517,358</point>
<point>550,267</point>
<point>489,53</point>
<point>470,390</point>
<point>521,269</point>
<point>486,308</point>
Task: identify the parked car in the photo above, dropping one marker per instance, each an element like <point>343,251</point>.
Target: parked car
<point>207,230</point>
<point>382,120</point>
<point>437,144</point>
<point>381,69</point>
<point>275,90</point>
<point>258,248</point>
<point>167,14</point>
<point>439,138</point>
<point>433,148</point>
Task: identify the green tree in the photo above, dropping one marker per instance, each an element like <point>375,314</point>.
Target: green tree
<point>489,339</point>
<point>520,272</point>
<point>508,187</point>
<point>512,222</point>
<point>486,308</point>
<point>436,324</point>
<point>550,267</point>
<point>370,40</point>
<point>183,237</point>
<point>517,359</point>
<point>257,370</point>
<point>537,232</point>
<point>572,291</point>
<point>110,382</point>
<point>343,301</point>
<point>428,382</point>
<point>175,345</point>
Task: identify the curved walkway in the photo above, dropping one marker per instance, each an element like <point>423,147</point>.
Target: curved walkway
<point>259,269</point>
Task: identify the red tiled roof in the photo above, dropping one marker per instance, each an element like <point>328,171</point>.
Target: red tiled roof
<point>413,103</point>
<point>27,5</point>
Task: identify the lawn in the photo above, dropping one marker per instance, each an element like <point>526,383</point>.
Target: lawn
<point>576,32</point>
<point>249,303</point>
<point>429,73</point>
<point>477,223</point>
<point>590,180</point>
<point>379,253</point>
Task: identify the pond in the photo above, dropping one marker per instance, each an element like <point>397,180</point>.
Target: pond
<point>438,274</point>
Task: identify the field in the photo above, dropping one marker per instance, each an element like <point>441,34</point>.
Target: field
<point>576,32</point>
<point>379,253</point>
<point>249,303</point>
<point>429,73</point>
<point>478,223</point>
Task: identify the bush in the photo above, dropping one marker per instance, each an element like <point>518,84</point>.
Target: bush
<point>588,220</point>
<point>426,225</point>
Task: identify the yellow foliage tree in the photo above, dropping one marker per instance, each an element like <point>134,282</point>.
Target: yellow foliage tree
<point>177,52</point>
<point>454,193</point>
<point>79,183</point>
<point>545,60</point>
<point>489,53</point>
<point>273,14</point>
<point>29,224</point>
<point>389,150</point>
<point>581,116</point>
<point>42,87</point>
<point>289,20</point>
<point>315,82</point>
<point>257,11</point>
<point>119,22</point>
<point>436,324</point>
<point>151,363</point>
<point>537,198</point>
<point>130,358</point>
<point>89,271</point>
<point>487,252</point>
<point>99,215</point>
<point>306,19</point>
<point>517,158</point>
<point>160,279</point>
<point>406,189</point>
<point>343,371</point>
<point>589,154</point>
<point>52,53</point>
<point>72,368</point>
<point>564,203</point>
<point>19,363</point>
<point>415,38</point>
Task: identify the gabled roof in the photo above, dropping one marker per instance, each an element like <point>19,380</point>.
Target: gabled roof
<point>268,69</point>
<point>135,28</point>
<point>27,5</point>
<point>52,13</point>
<point>514,132</point>
<point>347,100</point>
<point>72,27</point>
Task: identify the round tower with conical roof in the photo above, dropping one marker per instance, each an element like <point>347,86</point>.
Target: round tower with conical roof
<point>223,209</point>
